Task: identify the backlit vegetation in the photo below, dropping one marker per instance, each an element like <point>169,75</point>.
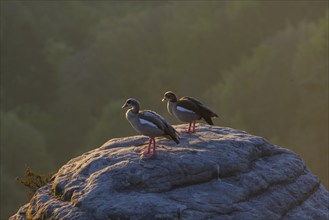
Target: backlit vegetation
<point>68,66</point>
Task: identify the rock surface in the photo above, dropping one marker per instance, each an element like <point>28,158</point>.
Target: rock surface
<point>216,173</point>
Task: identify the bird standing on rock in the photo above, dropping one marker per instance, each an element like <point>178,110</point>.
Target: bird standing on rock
<point>148,123</point>
<point>188,109</point>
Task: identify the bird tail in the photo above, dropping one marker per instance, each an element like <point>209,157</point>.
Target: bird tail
<point>208,120</point>
<point>175,138</point>
<point>172,133</point>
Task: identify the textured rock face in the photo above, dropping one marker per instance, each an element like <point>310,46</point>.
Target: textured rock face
<point>217,173</point>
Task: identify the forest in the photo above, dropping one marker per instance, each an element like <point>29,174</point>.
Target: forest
<point>68,66</point>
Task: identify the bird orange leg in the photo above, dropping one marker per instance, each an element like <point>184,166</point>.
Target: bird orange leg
<point>154,151</point>
<point>148,154</point>
<point>189,128</point>
<point>149,147</point>
<point>193,130</point>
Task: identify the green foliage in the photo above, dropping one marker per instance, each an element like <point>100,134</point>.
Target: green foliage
<point>21,144</point>
<point>12,196</point>
<point>281,92</point>
<point>110,125</point>
<point>67,67</point>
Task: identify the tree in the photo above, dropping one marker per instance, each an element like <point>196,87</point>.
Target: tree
<point>281,92</point>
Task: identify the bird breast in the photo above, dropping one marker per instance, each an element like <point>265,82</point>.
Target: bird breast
<point>170,106</point>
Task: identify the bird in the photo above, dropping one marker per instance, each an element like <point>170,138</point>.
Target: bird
<point>149,123</point>
<point>188,109</point>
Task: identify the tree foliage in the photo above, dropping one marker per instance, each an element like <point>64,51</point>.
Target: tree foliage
<point>21,144</point>
<point>281,92</point>
<point>68,66</point>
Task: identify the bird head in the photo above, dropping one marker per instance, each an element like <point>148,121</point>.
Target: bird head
<point>170,96</point>
<point>130,103</point>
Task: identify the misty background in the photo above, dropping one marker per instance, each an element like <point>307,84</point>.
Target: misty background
<point>67,68</point>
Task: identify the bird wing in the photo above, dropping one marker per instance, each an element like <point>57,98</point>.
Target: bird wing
<point>152,117</point>
<point>189,105</point>
<point>155,118</point>
<point>158,120</point>
<point>161,123</point>
<point>203,110</point>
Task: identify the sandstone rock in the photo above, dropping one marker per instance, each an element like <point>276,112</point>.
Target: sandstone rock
<point>217,173</point>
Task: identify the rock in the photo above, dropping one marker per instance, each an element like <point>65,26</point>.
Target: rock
<point>217,173</point>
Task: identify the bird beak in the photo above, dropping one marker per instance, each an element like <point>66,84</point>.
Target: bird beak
<point>124,106</point>
<point>164,99</point>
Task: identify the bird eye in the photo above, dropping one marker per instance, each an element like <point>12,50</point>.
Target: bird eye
<point>129,101</point>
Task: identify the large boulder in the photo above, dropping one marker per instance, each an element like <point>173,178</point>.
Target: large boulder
<point>216,173</point>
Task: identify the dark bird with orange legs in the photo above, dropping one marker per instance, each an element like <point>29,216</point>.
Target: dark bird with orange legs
<point>188,109</point>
